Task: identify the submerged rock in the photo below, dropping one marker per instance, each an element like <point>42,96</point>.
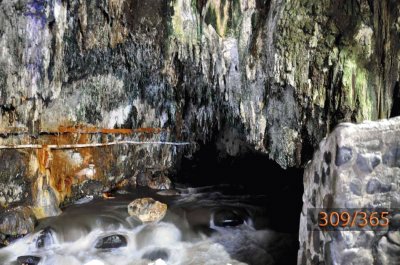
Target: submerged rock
<point>156,254</point>
<point>147,210</point>
<point>227,217</point>
<point>28,260</point>
<point>113,241</point>
<point>45,238</point>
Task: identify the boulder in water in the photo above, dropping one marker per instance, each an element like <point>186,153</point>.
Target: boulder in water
<point>147,210</point>
<point>28,260</point>
<point>113,241</point>
<point>228,217</point>
<point>160,183</point>
<point>17,221</point>
<point>45,238</point>
<point>125,183</point>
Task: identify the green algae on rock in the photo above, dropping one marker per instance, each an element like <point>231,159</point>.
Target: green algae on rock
<point>270,76</point>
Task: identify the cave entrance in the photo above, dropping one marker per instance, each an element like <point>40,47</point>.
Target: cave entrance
<point>276,193</point>
<point>253,173</point>
<point>246,208</point>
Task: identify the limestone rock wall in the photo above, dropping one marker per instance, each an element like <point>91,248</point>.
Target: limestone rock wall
<point>268,75</point>
<point>356,166</point>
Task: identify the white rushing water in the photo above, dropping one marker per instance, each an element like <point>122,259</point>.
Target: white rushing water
<point>72,238</point>
<point>141,240</point>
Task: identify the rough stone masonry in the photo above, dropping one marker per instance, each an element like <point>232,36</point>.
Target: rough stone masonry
<point>356,166</point>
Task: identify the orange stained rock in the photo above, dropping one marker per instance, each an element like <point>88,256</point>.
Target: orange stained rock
<point>62,169</point>
<point>59,169</point>
<point>123,184</point>
<point>82,129</point>
<point>92,130</point>
<point>108,195</point>
<point>44,158</point>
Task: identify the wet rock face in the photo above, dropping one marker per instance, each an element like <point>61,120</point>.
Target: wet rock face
<point>91,188</point>
<point>198,66</point>
<point>363,175</point>
<point>17,221</point>
<point>272,76</point>
<point>14,177</point>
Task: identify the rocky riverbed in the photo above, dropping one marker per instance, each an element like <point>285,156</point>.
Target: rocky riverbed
<point>204,225</point>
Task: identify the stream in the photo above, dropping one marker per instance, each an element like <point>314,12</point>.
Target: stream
<point>204,225</point>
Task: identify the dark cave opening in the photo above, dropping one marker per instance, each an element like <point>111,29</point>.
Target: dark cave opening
<point>396,101</point>
<point>254,173</point>
<point>274,192</point>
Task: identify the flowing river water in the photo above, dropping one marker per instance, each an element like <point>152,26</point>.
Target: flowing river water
<point>206,225</point>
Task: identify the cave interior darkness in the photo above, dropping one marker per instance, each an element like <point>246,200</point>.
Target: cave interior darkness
<point>255,174</point>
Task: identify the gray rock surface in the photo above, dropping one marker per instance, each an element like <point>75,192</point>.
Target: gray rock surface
<point>273,76</point>
<point>356,178</point>
<point>111,242</point>
<point>17,221</point>
<point>28,260</point>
